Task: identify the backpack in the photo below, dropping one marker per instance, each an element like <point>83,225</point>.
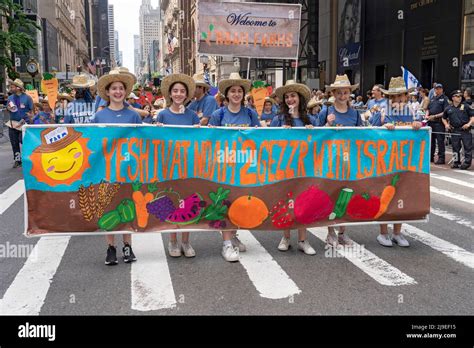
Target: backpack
<point>221,114</point>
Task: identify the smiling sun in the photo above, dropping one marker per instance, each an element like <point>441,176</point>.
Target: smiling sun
<point>62,157</point>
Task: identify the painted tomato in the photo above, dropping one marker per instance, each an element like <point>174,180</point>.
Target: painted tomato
<point>363,207</point>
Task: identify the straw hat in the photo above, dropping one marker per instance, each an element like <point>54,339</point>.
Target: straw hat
<point>55,139</point>
<point>292,86</point>
<point>199,81</point>
<point>396,86</point>
<point>169,80</point>
<point>234,80</point>
<point>271,100</point>
<point>65,96</point>
<point>342,81</point>
<point>114,76</point>
<point>313,102</point>
<point>124,70</point>
<point>330,101</point>
<point>82,81</point>
<point>19,83</point>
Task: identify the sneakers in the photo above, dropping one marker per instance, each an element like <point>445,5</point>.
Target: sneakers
<point>174,249</point>
<point>111,258</point>
<point>455,166</point>
<point>128,255</point>
<point>465,166</point>
<point>400,240</point>
<point>16,164</point>
<point>306,248</point>
<point>284,244</point>
<point>332,240</point>
<point>384,239</point>
<point>188,250</point>
<point>230,253</point>
<point>343,239</point>
<point>440,161</point>
<point>236,243</point>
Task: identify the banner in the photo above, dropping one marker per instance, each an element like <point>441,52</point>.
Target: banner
<point>247,29</point>
<point>100,179</point>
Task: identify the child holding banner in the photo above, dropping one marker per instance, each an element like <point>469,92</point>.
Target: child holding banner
<point>178,90</point>
<point>295,97</point>
<point>235,114</point>
<point>342,115</point>
<point>114,88</point>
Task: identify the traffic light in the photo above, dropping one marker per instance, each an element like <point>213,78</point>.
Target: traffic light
<point>68,68</point>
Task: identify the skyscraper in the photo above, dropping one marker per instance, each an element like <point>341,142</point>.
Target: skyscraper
<point>113,57</point>
<point>149,28</point>
<point>136,51</point>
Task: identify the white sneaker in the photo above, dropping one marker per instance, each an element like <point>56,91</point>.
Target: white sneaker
<point>174,249</point>
<point>236,243</point>
<point>384,239</point>
<point>343,239</point>
<point>188,250</point>
<point>331,240</point>
<point>400,240</point>
<point>284,244</point>
<point>306,248</point>
<point>230,253</point>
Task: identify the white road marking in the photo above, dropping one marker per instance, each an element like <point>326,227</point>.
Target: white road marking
<point>27,293</point>
<point>10,196</point>
<point>452,180</point>
<point>378,269</point>
<point>467,172</point>
<point>270,280</point>
<point>451,217</point>
<point>152,288</point>
<point>452,251</point>
<point>453,195</point>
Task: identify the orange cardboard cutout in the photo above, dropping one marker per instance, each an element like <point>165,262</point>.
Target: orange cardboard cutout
<point>33,94</point>
<point>51,90</point>
<point>259,95</point>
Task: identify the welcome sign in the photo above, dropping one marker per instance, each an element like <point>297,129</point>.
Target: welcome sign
<point>246,29</point>
<point>101,179</point>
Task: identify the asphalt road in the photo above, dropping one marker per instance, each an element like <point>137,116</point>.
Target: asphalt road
<point>434,276</point>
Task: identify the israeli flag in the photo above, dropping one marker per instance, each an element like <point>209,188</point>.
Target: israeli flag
<point>410,79</point>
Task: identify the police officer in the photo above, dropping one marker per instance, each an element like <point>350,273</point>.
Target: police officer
<point>434,114</point>
<point>459,118</point>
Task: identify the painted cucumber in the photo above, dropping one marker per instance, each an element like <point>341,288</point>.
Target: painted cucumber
<point>341,204</point>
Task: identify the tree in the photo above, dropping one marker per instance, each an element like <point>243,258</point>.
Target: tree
<point>15,38</point>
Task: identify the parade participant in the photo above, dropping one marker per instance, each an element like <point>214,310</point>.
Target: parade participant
<point>267,113</point>
<point>177,90</point>
<point>80,110</point>
<point>376,106</point>
<point>132,100</point>
<point>467,96</point>
<point>44,114</point>
<point>314,108</point>
<point>235,114</point>
<point>149,119</point>
<point>203,104</point>
<point>249,102</point>
<point>340,114</point>
<point>399,113</point>
<point>435,111</point>
<point>20,106</point>
<point>459,118</point>
<point>220,100</point>
<point>276,106</point>
<point>61,107</point>
<point>114,88</point>
<point>293,114</point>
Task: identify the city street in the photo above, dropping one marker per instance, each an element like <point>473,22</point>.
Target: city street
<point>67,275</point>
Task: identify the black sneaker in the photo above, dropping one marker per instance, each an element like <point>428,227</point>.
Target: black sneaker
<point>17,164</point>
<point>465,166</point>
<point>128,255</point>
<point>111,258</point>
<point>440,161</point>
<point>455,165</point>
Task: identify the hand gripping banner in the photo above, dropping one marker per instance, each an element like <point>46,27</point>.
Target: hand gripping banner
<point>124,179</point>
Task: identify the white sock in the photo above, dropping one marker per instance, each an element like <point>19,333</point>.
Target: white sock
<point>227,242</point>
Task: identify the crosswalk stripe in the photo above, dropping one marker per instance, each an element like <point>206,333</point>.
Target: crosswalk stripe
<point>451,217</point>
<point>10,196</point>
<point>27,292</point>
<point>152,288</point>
<point>452,251</point>
<point>467,172</point>
<point>451,195</point>
<point>452,180</point>
<point>270,280</point>
<point>378,269</point>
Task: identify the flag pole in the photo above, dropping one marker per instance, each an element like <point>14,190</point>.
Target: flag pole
<point>248,69</point>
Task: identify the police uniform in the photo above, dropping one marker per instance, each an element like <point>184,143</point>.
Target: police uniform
<point>458,117</point>
<point>436,106</point>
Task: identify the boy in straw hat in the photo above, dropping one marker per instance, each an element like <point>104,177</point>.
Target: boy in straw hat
<point>340,114</point>
<point>203,104</point>
<point>114,88</point>
<point>20,106</point>
<point>177,90</point>
<point>295,97</point>
<point>235,114</point>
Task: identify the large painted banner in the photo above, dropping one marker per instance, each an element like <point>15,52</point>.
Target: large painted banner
<point>247,29</point>
<point>101,179</point>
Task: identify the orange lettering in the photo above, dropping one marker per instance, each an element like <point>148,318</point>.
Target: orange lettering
<point>371,156</point>
<point>301,157</point>
<point>410,155</point>
<point>318,159</point>
<point>402,154</point>
<point>359,144</point>
<point>330,173</point>
<point>108,157</point>
<point>422,154</point>
<point>245,177</point>
<point>132,177</point>
<point>120,142</point>
<point>382,148</point>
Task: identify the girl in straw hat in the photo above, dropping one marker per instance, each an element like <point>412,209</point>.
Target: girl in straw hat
<point>340,114</point>
<point>178,89</point>
<point>114,88</point>
<point>295,97</point>
<point>235,114</point>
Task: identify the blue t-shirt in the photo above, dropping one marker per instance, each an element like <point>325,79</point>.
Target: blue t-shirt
<point>223,117</point>
<point>24,104</point>
<point>350,118</point>
<point>136,106</point>
<point>207,105</point>
<point>99,102</point>
<point>122,116</point>
<point>279,121</point>
<point>79,111</point>
<point>266,117</point>
<point>189,118</point>
<point>275,109</point>
<point>46,116</point>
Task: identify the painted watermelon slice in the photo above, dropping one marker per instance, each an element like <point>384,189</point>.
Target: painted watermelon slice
<point>190,212</point>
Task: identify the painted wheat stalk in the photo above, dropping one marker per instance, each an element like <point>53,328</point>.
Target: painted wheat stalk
<point>102,199</point>
<point>86,210</point>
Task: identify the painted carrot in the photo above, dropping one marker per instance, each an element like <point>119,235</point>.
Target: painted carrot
<point>387,195</point>
<point>141,201</point>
